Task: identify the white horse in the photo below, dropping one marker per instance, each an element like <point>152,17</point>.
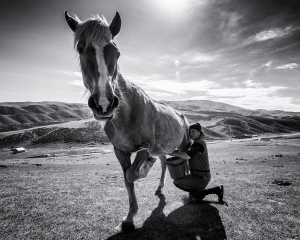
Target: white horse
<point>133,121</point>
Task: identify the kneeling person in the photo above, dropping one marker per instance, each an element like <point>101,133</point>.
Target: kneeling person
<point>199,177</point>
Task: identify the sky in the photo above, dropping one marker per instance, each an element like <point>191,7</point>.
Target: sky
<point>240,52</point>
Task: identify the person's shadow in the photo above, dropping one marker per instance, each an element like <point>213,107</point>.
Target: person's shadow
<point>191,221</point>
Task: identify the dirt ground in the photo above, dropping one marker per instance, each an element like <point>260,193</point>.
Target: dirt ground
<point>65,191</point>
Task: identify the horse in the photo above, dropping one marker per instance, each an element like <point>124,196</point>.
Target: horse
<point>133,122</point>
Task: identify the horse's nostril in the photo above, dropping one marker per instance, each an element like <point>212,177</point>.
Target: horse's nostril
<point>92,102</point>
<point>115,102</point>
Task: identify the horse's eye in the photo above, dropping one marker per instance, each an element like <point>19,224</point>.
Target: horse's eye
<point>80,50</point>
<point>118,55</point>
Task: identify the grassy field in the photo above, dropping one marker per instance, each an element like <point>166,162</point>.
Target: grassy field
<point>85,198</point>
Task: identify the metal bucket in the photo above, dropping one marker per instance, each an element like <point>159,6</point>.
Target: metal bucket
<point>176,167</point>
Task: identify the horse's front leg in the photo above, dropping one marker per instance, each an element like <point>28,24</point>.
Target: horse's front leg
<point>163,174</point>
<point>134,172</point>
<point>127,222</point>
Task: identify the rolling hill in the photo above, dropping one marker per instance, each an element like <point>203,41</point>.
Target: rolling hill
<point>46,122</point>
<point>21,115</point>
<point>220,120</point>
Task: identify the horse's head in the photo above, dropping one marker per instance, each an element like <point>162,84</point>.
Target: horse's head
<point>98,56</point>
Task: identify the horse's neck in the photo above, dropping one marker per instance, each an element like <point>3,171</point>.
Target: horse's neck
<point>133,101</point>
<point>139,122</point>
<point>131,95</point>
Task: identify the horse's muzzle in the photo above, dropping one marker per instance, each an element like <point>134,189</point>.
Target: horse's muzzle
<point>98,110</point>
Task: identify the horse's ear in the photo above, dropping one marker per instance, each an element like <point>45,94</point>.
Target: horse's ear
<point>115,25</point>
<point>71,21</point>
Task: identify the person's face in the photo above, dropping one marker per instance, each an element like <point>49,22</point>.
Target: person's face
<point>194,134</point>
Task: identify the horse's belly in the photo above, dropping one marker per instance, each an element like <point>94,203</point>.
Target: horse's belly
<point>158,144</point>
<point>167,144</point>
<point>161,134</point>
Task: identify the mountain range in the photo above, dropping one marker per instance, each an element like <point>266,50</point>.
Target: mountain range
<point>20,115</point>
<point>42,122</point>
<point>221,120</point>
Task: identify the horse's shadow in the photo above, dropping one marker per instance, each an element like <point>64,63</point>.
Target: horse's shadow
<point>191,221</point>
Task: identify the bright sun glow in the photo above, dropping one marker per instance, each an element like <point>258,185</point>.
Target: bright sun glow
<point>173,11</point>
<point>173,6</point>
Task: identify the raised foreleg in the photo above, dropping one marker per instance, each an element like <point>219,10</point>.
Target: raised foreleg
<point>127,222</point>
<point>140,166</point>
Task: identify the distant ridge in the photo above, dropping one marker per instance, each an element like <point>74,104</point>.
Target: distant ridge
<point>221,120</point>
<point>20,115</point>
<point>218,120</point>
<point>211,106</point>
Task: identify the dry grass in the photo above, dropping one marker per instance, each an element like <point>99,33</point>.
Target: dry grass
<point>86,201</point>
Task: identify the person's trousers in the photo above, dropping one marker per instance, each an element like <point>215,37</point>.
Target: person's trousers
<point>193,182</point>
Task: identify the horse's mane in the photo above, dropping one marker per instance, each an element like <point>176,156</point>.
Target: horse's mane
<point>93,29</point>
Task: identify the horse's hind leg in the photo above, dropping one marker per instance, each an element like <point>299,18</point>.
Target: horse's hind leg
<point>183,147</point>
<point>127,222</point>
<point>163,174</point>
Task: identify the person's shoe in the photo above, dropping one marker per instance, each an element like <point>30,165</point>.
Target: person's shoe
<point>193,199</point>
<point>199,194</point>
<point>221,194</point>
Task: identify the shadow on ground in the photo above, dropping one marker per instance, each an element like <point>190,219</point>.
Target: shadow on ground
<point>191,221</point>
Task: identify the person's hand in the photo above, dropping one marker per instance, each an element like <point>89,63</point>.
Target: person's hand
<point>175,151</point>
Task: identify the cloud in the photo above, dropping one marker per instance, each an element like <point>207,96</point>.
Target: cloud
<point>256,91</point>
<point>73,74</point>
<point>77,74</point>
<point>271,34</point>
<point>160,94</point>
<point>268,64</point>
<point>175,87</point>
<point>77,83</point>
<point>251,98</point>
<point>263,102</point>
<point>287,66</point>
<point>76,78</point>
<point>291,92</point>
<point>196,57</point>
<point>251,84</point>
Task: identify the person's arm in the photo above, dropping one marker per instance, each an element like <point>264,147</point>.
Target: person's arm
<point>195,148</point>
<point>182,155</point>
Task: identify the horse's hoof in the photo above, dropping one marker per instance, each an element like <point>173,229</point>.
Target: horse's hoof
<point>125,227</point>
<point>131,177</point>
